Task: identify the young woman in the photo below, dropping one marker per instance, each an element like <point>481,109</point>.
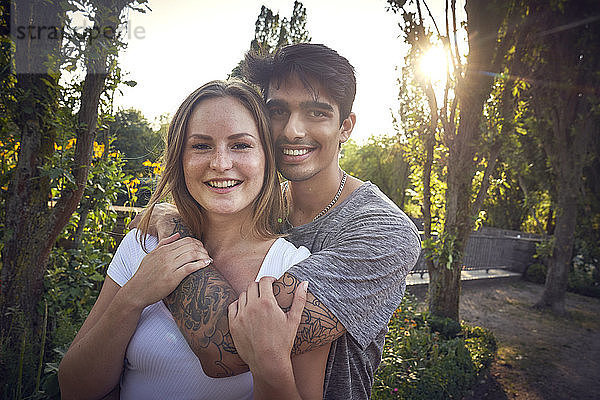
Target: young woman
<point>220,171</point>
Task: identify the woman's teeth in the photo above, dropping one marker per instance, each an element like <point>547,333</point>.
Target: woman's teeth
<point>223,184</point>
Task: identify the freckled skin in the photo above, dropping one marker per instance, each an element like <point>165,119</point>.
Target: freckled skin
<point>223,146</point>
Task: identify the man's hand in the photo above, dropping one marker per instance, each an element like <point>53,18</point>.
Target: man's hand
<point>262,332</point>
<point>164,221</point>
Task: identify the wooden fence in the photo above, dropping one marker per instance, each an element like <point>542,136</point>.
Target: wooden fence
<point>495,248</point>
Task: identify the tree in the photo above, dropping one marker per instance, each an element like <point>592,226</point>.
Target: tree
<point>36,119</point>
<point>564,99</point>
<point>382,161</point>
<point>271,32</point>
<point>136,140</point>
<point>458,120</point>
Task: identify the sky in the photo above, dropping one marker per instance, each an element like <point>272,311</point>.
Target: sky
<point>182,44</point>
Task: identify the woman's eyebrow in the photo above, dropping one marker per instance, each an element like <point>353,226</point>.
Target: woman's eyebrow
<point>199,136</point>
<point>231,137</point>
<point>240,135</point>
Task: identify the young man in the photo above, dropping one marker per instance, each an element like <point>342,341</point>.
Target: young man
<point>362,245</point>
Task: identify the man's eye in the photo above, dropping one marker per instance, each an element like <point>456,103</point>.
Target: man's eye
<point>276,112</point>
<point>241,146</point>
<point>317,114</point>
<point>200,146</point>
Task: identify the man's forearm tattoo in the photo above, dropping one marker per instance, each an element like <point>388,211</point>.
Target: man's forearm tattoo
<point>318,325</point>
<point>199,306</point>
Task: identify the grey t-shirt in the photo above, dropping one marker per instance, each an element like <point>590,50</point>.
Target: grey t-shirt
<point>362,251</point>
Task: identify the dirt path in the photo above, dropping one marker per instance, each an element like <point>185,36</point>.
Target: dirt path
<point>540,356</point>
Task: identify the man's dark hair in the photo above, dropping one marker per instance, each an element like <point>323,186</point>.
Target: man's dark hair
<point>307,61</point>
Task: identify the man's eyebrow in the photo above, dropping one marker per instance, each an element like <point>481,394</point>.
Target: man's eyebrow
<point>305,105</point>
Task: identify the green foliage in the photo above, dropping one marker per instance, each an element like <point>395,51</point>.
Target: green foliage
<point>584,278</point>
<point>443,250</point>
<point>544,250</point>
<point>446,327</point>
<point>536,273</point>
<point>77,265</point>
<point>141,147</point>
<point>136,140</point>
<point>382,160</point>
<point>271,32</point>
<point>420,362</point>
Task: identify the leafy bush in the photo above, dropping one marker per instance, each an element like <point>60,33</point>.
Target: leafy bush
<point>583,278</point>
<point>536,273</point>
<point>430,358</point>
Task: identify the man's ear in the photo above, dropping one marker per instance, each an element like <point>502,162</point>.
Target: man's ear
<point>347,127</point>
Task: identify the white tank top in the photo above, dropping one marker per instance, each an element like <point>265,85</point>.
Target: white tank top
<point>159,364</point>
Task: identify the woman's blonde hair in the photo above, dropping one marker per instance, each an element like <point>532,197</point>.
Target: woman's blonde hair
<point>267,208</point>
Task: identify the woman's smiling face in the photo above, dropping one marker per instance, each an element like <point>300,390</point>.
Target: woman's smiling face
<point>223,158</point>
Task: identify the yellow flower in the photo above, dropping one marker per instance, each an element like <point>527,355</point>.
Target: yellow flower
<point>71,143</point>
<point>56,147</point>
<point>147,163</point>
<point>98,150</point>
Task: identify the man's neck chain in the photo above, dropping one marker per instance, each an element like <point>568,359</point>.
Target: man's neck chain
<point>335,198</point>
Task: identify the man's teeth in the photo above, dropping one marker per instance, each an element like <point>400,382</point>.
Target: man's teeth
<point>223,184</point>
<point>290,152</point>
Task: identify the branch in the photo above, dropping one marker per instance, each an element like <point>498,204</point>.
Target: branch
<point>96,59</point>
<point>485,182</point>
<point>458,63</point>
<point>432,19</point>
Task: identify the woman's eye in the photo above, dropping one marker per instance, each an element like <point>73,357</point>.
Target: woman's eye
<point>200,146</point>
<point>241,146</point>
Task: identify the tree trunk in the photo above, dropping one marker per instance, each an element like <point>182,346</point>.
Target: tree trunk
<point>560,262</point>
<point>31,226</point>
<point>472,90</point>
<point>444,291</point>
<point>26,227</point>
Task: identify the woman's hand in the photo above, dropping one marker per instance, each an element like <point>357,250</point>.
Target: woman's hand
<point>262,333</point>
<point>164,268</point>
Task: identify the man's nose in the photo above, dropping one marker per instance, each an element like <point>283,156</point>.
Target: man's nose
<point>221,160</point>
<point>294,128</point>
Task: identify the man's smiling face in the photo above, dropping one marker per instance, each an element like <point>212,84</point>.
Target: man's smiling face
<point>306,128</point>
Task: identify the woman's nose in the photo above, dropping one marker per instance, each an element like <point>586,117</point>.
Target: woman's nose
<point>221,161</point>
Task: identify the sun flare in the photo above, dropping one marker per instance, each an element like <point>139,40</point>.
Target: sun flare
<point>433,64</point>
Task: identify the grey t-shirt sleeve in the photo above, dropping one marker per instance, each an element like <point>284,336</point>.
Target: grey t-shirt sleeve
<point>359,272</point>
